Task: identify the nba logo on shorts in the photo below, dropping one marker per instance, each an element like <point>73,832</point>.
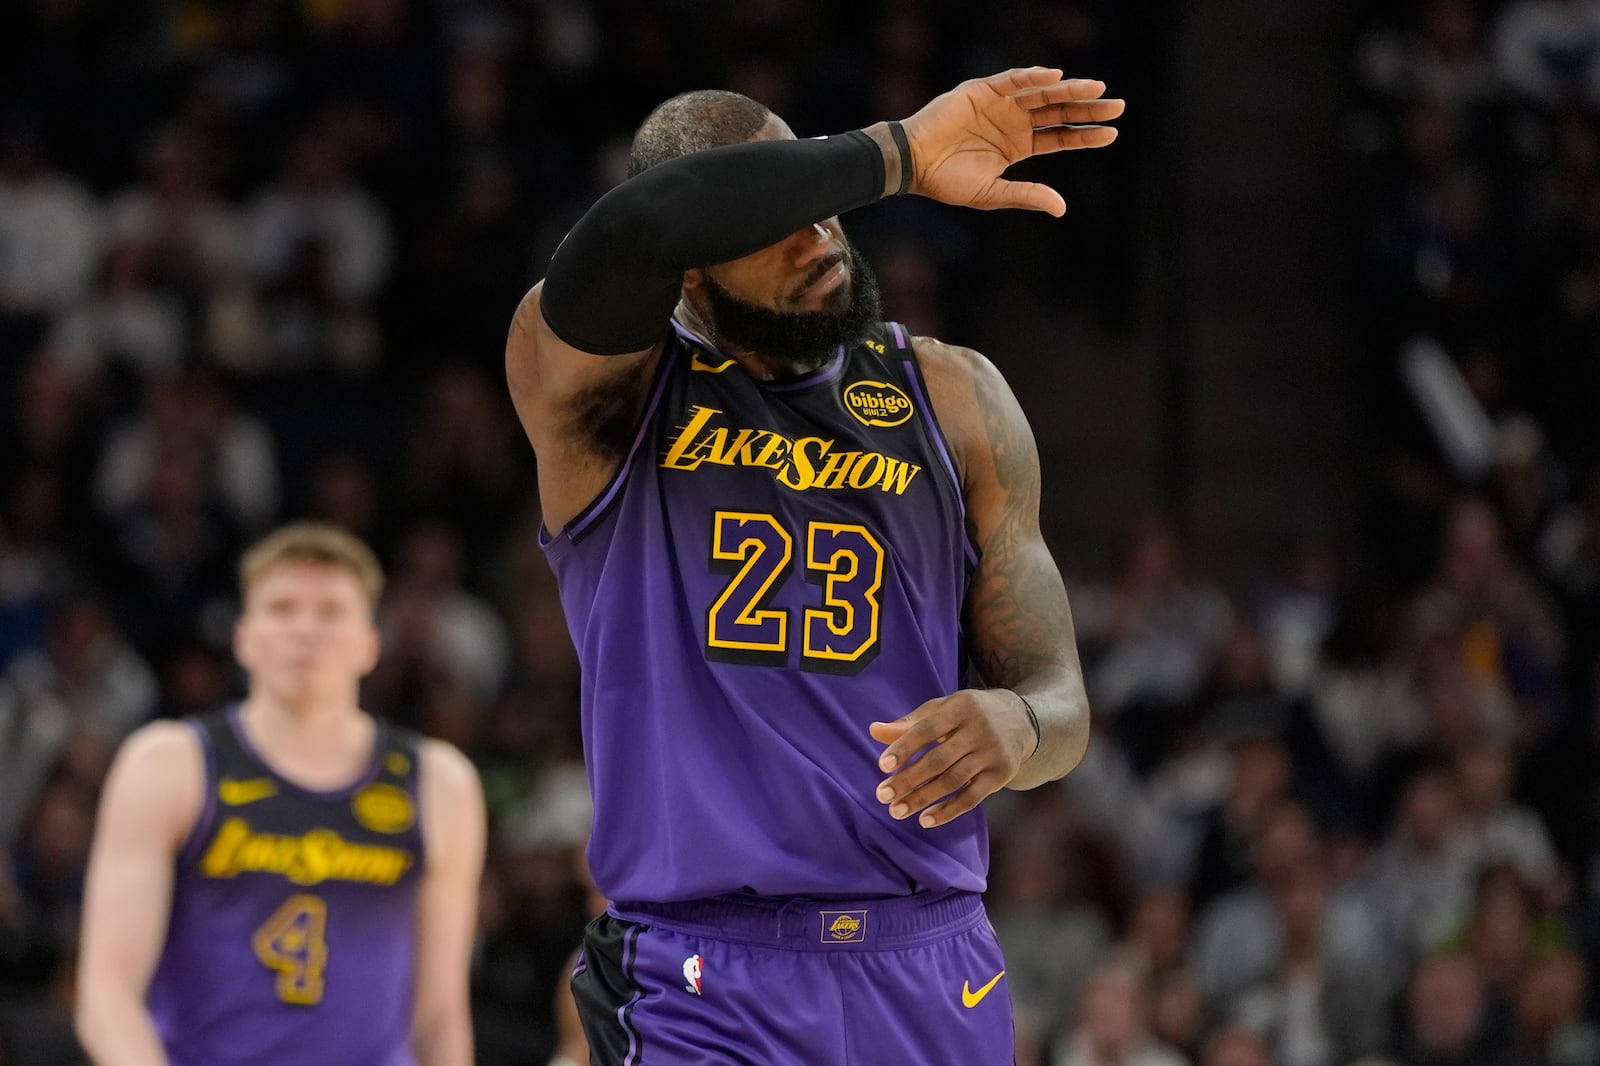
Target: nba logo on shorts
<point>693,967</point>
<point>844,927</point>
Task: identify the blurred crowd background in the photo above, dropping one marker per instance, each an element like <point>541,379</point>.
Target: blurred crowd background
<point>257,259</point>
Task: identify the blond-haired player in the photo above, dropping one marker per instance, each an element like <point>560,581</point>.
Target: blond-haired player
<point>290,879</point>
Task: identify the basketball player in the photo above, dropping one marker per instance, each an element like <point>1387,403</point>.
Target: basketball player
<point>782,529</point>
<point>290,880</point>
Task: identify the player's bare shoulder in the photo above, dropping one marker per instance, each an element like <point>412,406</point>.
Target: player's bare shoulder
<point>160,771</point>
<point>984,423</point>
<point>452,797</point>
<point>578,410</point>
<point>967,393</point>
<point>562,392</point>
<point>444,766</point>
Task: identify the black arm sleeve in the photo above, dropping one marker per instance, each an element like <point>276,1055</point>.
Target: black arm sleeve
<point>617,275</point>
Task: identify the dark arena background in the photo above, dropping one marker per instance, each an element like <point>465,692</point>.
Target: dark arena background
<point>1313,361</point>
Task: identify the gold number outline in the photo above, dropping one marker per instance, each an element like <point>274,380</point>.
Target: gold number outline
<point>827,572</point>
<point>294,944</point>
<point>750,552</point>
<point>741,561</point>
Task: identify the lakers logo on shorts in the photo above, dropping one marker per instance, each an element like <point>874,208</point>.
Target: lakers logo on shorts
<point>844,927</point>
<point>383,809</point>
<point>877,403</point>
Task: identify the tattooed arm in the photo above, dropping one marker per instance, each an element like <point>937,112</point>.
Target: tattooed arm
<point>1018,623</point>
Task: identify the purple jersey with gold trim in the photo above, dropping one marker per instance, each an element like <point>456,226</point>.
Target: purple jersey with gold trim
<point>775,566</point>
<point>293,929</point>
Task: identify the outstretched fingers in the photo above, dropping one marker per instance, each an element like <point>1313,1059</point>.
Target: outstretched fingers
<point>1059,92</point>
<point>1069,138</point>
<point>1021,79</point>
<point>1076,112</point>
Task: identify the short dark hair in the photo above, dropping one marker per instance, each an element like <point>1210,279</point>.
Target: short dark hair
<point>691,122</point>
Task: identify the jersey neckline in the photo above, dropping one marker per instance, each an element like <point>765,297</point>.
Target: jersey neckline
<point>367,776</point>
<point>827,372</point>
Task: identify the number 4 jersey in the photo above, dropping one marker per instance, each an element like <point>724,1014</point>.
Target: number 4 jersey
<point>293,928</point>
<point>774,566</point>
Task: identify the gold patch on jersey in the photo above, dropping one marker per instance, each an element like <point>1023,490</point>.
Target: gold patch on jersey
<point>237,793</point>
<point>877,403</point>
<point>397,764</point>
<point>383,809</point>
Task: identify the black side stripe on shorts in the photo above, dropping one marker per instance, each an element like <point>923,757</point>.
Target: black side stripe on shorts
<point>630,953</point>
<point>606,991</point>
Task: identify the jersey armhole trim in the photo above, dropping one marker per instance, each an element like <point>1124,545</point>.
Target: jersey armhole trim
<point>419,797</point>
<point>913,370</point>
<point>585,519</point>
<point>189,850</point>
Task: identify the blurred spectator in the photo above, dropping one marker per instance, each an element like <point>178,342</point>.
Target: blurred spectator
<point>1316,1008</point>
<point>1444,1010</point>
<point>1511,634</point>
<point>1422,876</point>
<point>1111,1026</point>
<point>49,230</point>
<point>84,677</point>
<point>1240,938</point>
<point>191,415</point>
<point>47,450</point>
<point>126,325</point>
<point>317,205</point>
<point>1155,946</point>
<point>461,461</point>
<point>1259,786</point>
<point>344,492</point>
<point>1440,58</point>
<point>1549,1026</point>
<point>1236,1047</point>
<point>189,236</point>
<point>1502,831</point>
<point>1051,934</point>
<point>433,627</point>
<point>1505,934</point>
<point>1549,51</point>
<point>1148,637</point>
<point>1298,613</point>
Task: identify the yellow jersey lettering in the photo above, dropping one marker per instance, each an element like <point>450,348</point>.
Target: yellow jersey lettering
<point>801,473</point>
<point>799,464</point>
<point>867,471</point>
<point>774,450</point>
<point>739,453</point>
<point>318,856</point>
<point>897,475</point>
<point>678,455</point>
<point>836,470</point>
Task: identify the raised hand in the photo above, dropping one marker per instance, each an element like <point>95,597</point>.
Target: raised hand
<point>963,141</point>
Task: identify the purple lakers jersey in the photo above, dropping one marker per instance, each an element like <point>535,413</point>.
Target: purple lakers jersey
<point>293,927</point>
<point>774,566</point>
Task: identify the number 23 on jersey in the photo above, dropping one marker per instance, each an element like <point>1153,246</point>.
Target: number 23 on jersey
<point>839,635</point>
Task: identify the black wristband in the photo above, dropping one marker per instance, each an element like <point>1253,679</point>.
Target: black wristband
<point>898,132</point>
<point>1033,719</point>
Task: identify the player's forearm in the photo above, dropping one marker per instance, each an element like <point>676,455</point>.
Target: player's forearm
<point>446,1042</point>
<point>1058,700</point>
<point>616,276</point>
<point>116,1030</point>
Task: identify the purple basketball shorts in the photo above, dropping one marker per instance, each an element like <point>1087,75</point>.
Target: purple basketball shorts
<point>913,981</point>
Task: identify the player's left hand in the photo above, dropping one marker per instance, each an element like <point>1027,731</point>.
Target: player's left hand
<point>976,741</point>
